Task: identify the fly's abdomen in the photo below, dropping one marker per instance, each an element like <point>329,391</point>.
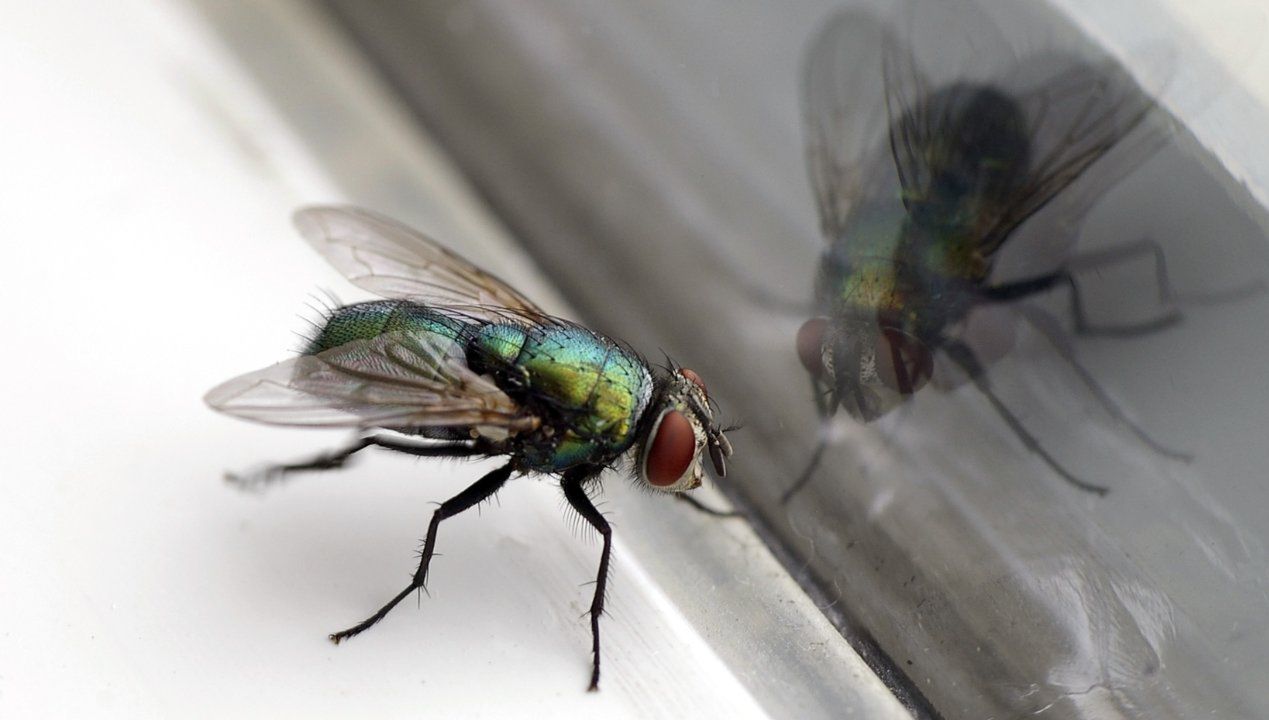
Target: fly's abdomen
<point>591,391</point>
<point>368,320</point>
<point>979,161</point>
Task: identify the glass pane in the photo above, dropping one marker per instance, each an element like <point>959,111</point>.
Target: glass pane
<point>651,157</point>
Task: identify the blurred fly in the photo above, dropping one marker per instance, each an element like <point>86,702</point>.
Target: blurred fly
<point>921,184</point>
<point>456,363</point>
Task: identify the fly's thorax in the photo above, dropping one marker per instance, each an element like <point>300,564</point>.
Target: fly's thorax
<point>869,364</point>
<point>679,427</point>
<point>589,391</point>
<point>888,260</point>
<point>495,345</point>
<point>873,285</point>
<point>867,268</point>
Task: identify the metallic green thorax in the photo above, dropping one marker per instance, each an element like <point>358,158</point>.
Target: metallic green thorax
<point>910,276</point>
<point>589,391</point>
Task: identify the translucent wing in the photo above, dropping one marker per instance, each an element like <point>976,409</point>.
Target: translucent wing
<point>844,117</point>
<point>1078,113</point>
<point>934,56</point>
<point>394,380</point>
<point>389,259</point>
<point>1073,104</point>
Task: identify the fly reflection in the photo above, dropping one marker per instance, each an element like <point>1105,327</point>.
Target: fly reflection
<point>934,142</point>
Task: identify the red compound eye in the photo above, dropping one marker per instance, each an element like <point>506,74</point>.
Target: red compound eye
<point>672,450</point>
<point>691,375</point>
<point>904,364</point>
<point>810,345</point>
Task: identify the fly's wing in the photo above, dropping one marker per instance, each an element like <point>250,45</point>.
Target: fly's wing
<point>1074,107</point>
<point>1079,115</point>
<point>844,117</point>
<point>395,380</point>
<point>935,55</point>
<point>389,259</point>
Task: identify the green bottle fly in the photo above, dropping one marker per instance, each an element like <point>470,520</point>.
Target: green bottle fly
<point>456,363</point>
<point>920,184</point>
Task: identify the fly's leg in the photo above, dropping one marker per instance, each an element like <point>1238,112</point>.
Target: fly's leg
<point>1047,327</point>
<point>1021,289</point>
<point>573,485</point>
<point>811,466</point>
<point>479,491</point>
<point>962,355</point>
<point>701,507</point>
<point>826,406</point>
<point>1066,276</point>
<point>1113,256</point>
<point>1167,296</point>
<point>336,459</point>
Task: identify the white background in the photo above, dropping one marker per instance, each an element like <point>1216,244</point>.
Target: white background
<point>147,256</point>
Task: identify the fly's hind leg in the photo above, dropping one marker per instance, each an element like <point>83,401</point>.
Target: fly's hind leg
<point>259,478</point>
<point>962,355</point>
<point>479,491</point>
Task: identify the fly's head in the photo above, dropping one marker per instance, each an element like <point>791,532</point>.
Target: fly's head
<point>865,365</point>
<point>682,429</point>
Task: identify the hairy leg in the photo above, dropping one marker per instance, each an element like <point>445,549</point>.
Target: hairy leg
<point>962,355</point>
<point>479,491</point>
<point>335,459</point>
<point>573,484</point>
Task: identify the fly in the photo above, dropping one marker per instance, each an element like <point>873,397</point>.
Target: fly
<point>920,185</point>
<point>456,363</point>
